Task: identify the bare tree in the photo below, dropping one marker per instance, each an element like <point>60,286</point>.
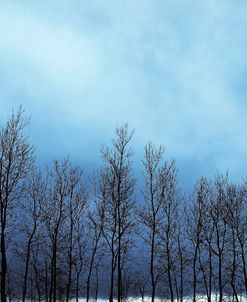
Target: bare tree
<point>217,214</point>
<point>80,254</point>
<point>181,258</point>
<point>16,159</point>
<point>64,202</point>
<point>237,218</point>
<point>96,220</point>
<point>77,199</point>
<point>195,223</point>
<point>168,227</point>
<point>151,215</point>
<point>119,187</point>
<point>31,220</point>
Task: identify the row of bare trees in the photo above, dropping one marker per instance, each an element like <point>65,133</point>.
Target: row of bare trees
<point>66,236</point>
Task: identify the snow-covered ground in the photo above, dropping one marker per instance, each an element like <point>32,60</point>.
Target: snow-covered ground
<point>148,299</point>
<point>185,299</point>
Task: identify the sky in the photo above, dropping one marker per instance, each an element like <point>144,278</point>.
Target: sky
<point>176,71</point>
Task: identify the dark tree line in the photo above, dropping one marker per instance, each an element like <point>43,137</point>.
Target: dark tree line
<point>66,236</point>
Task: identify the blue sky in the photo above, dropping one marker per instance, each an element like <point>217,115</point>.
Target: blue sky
<point>176,71</point>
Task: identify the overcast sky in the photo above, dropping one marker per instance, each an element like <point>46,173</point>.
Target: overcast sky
<point>176,71</point>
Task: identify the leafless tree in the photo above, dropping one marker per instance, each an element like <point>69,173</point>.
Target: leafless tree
<point>65,200</point>
<point>96,221</point>
<point>195,223</point>
<point>151,214</point>
<point>217,217</point>
<point>16,159</point>
<point>238,220</point>
<point>77,199</point>
<point>80,254</point>
<point>119,187</point>
<point>181,258</point>
<point>31,220</point>
<point>168,227</point>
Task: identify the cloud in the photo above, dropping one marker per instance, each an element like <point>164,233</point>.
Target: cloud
<point>175,70</point>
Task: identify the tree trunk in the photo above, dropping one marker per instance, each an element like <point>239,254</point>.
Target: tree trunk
<point>194,273</point>
<point>3,263</point>
<point>27,263</point>
<point>70,265</point>
<point>119,283</point>
<point>112,280</point>
<point>169,268</point>
<point>152,268</point>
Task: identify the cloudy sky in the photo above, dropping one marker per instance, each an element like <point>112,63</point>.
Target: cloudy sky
<point>175,70</point>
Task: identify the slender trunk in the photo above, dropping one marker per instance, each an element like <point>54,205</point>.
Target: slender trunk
<point>210,274</point>
<point>181,271</point>
<point>244,265</point>
<point>97,238</point>
<point>26,273</point>
<point>169,268</point>
<point>152,266</point>
<point>46,282</point>
<point>194,273</point>
<point>70,263</point>
<point>234,268</point>
<point>119,183</point>
<point>51,279</point>
<point>175,282</point>
<point>220,278</point>
<point>77,288</point>
<point>79,269</point>
<point>119,258</point>
<point>29,244</point>
<point>97,283</point>
<point>220,255</point>
<point>55,275</point>
<point>113,258</point>
<point>3,260</point>
<point>169,265</point>
<point>112,279</point>
<point>204,275</point>
<point>90,274</point>
<point>78,278</point>
<point>37,281</point>
<point>31,288</point>
<point>142,295</point>
<point>153,281</point>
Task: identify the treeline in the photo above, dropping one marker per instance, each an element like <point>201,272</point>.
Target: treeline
<point>66,236</point>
